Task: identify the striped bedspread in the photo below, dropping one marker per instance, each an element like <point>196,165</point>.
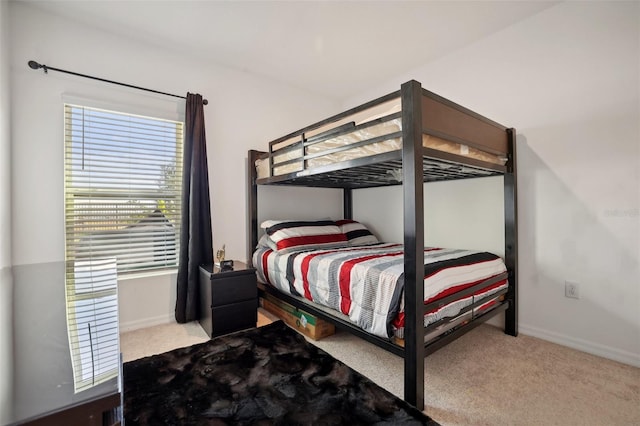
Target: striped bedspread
<point>366,283</point>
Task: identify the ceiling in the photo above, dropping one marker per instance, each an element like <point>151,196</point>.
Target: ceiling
<point>334,48</point>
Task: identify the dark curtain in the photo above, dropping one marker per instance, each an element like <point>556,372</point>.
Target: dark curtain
<point>196,246</point>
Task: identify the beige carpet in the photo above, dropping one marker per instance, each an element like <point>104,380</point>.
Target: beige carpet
<point>483,378</point>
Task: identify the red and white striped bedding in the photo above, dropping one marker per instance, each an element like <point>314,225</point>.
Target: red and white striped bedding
<point>366,283</point>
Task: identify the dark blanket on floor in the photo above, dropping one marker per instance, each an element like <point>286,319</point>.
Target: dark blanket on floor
<point>267,375</point>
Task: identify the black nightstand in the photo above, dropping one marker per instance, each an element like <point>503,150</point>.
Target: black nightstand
<point>228,299</point>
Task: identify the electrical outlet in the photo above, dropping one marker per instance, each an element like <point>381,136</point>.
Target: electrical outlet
<point>572,290</point>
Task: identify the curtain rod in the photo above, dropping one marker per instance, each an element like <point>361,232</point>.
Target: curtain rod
<point>36,66</point>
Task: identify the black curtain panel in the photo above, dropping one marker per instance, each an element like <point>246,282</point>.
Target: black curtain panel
<point>196,246</point>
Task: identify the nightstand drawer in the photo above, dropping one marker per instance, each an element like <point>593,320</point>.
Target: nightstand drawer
<point>235,316</point>
<point>226,290</point>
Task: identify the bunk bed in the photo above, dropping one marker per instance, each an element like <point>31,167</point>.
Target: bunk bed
<point>407,137</point>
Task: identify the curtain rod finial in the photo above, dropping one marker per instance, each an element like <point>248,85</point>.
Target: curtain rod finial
<point>205,102</point>
<point>35,66</point>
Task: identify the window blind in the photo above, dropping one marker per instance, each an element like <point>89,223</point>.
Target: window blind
<point>123,177</point>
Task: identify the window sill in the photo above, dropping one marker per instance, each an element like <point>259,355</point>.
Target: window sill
<point>142,274</point>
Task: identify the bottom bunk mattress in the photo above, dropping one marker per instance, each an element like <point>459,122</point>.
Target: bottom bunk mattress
<point>366,283</point>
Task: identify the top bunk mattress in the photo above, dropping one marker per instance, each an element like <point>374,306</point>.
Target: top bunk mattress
<point>384,135</point>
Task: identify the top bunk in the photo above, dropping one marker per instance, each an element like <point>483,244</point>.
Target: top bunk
<point>364,146</point>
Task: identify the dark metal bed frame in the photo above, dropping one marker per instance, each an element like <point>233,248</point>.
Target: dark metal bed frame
<point>422,112</point>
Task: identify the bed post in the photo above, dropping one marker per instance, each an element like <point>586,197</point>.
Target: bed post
<point>412,189</point>
<point>252,204</point>
<point>511,236</point>
<point>347,204</point>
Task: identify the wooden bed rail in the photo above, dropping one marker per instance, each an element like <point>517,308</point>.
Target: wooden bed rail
<point>445,119</point>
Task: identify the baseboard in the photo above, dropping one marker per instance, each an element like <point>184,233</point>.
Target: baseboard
<point>146,322</point>
<point>597,349</point>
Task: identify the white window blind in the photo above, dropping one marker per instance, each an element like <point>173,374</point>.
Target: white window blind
<point>123,177</point>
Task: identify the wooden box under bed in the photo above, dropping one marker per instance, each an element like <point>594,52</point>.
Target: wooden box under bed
<point>423,115</point>
<point>306,323</point>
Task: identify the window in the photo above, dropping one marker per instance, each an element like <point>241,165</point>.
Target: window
<point>123,177</point>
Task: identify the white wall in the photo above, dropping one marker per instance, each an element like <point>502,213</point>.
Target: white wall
<point>447,222</point>
<point>6,284</point>
<point>568,80</point>
<point>244,112</point>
